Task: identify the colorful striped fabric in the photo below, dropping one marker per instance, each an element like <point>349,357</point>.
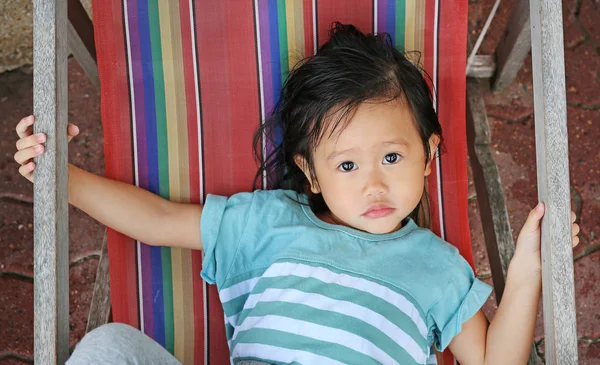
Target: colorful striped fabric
<point>184,85</point>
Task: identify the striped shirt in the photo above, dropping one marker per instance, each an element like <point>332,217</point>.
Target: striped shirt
<point>297,290</point>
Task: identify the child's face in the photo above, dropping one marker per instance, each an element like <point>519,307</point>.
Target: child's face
<point>371,175</point>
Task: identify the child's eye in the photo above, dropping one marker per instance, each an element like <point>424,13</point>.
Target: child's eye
<point>391,158</point>
<point>347,166</point>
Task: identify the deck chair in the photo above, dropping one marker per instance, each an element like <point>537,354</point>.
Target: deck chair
<point>183,89</point>
<point>184,84</point>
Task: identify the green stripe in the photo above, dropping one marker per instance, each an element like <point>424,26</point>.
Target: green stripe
<point>342,293</point>
<point>400,24</point>
<point>163,163</point>
<point>167,279</point>
<point>234,306</point>
<point>159,97</point>
<point>229,282</point>
<point>335,320</point>
<point>286,340</point>
<point>283,43</point>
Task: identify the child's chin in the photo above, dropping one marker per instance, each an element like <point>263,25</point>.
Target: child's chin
<point>382,228</point>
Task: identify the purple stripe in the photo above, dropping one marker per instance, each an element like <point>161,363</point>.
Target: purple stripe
<point>148,313</point>
<point>265,53</point>
<point>142,155</point>
<point>267,66</point>
<point>138,88</point>
<point>381,16</point>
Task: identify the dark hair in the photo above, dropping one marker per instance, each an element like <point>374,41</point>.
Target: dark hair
<point>349,69</point>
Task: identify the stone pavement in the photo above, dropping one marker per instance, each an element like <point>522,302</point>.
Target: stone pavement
<point>511,121</point>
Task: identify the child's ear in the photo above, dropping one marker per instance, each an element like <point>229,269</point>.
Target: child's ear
<point>434,142</point>
<point>303,165</point>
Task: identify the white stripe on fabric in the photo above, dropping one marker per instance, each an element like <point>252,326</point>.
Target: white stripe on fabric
<point>318,332</point>
<point>237,290</point>
<point>261,89</point>
<point>350,309</point>
<point>353,282</point>
<point>279,354</point>
<point>135,155</point>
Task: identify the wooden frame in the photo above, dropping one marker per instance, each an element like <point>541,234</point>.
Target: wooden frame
<point>552,152</point>
<point>50,211</point>
<point>513,46</point>
<point>81,40</point>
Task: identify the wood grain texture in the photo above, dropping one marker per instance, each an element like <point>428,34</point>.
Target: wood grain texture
<point>513,47</point>
<point>81,40</point>
<point>553,181</point>
<point>483,66</point>
<point>490,196</point>
<point>51,246</point>
<point>99,313</point>
<point>82,55</point>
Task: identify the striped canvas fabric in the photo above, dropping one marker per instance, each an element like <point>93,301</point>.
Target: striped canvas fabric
<point>185,83</point>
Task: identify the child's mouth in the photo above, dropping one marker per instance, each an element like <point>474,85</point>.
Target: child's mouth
<point>378,211</point>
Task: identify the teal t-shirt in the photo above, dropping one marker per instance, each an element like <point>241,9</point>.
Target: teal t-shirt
<point>297,290</point>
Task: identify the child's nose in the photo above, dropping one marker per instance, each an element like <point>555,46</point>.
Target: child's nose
<point>375,184</point>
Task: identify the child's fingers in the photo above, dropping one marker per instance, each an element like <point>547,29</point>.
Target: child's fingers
<point>31,141</point>
<point>573,217</point>
<point>533,220</point>
<point>23,156</point>
<point>27,171</point>
<point>575,241</point>
<point>575,229</point>
<point>72,130</point>
<point>23,127</point>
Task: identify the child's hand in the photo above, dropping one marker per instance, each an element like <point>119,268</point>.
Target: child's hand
<point>31,145</point>
<point>529,240</point>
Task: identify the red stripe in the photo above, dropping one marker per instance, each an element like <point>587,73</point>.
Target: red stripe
<point>194,171</point>
<point>359,14</point>
<point>116,121</point>
<point>452,113</point>
<point>309,33</point>
<point>230,114</point>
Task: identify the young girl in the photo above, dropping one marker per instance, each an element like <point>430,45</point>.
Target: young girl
<point>336,269</point>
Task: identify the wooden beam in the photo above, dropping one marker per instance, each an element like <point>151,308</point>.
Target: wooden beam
<point>553,181</point>
<point>513,46</point>
<point>99,313</point>
<point>51,220</point>
<point>490,196</point>
<point>81,40</point>
<point>82,23</point>
<point>483,66</point>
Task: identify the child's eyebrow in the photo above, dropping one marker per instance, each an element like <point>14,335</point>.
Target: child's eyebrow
<point>334,154</point>
<point>400,142</point>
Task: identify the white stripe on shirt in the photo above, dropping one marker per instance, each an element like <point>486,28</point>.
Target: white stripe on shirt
<point>238,289</point>
<point>318,332</point>
<point>330,277</point>
<point>350,309</point>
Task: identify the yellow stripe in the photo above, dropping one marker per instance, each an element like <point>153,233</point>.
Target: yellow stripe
<point>299,25</point>
<point>175,103</point>
<point>409,28</point>
<point>420,29</point>
<point>291,32</point>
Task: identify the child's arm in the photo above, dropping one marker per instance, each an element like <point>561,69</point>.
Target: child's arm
<point>128,209</point>
<point>509,337</point>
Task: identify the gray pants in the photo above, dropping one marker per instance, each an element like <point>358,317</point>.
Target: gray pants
<point>117,343</point>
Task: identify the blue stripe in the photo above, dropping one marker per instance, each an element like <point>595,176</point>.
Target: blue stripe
<point>390,19</point>
<point>153,182</point>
